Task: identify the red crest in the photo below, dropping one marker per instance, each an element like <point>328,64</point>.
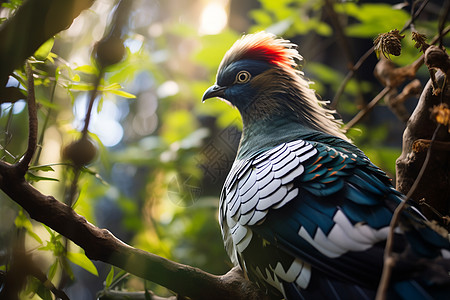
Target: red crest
<point>265,47</point>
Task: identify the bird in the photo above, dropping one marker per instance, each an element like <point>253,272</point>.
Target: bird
<point>303,211</point>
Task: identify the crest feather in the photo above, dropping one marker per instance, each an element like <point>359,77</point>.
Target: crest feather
<point>263,46</point>
<point>283,87</point>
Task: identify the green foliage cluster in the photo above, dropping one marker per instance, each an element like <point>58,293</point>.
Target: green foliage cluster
<point>154,178</point>
<point>293,18</point>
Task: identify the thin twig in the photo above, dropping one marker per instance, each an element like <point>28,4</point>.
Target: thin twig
<point>366,55</point>
<point>389,261</point>
<point>367,109</point>
<point>442,21</point>
<point>415,16</point>
<point>73,187</point>
<point>422,202</point>
<point>91,104</point>
<point>440,35</point>
<point>415,65</point>
<point>6,152</point>
<point>22,165</point>
<point>70,200</point>
<point>349,76</point>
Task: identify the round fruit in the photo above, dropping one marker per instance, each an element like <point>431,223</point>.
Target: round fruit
<point>80,152</point>
<point>109,51</point>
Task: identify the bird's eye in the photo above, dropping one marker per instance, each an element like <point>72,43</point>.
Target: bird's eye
<point>242,77</point>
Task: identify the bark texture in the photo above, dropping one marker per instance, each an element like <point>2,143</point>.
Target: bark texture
<point>434,186</point>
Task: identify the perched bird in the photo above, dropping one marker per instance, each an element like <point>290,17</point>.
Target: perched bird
<point>303,211</point>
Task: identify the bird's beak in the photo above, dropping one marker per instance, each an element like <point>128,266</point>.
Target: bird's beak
<point>214,91</point>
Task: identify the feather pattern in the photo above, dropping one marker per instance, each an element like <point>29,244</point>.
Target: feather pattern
<point>315,216</point>
<point>303,211</point>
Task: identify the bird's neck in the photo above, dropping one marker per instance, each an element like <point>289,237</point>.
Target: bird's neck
<point>259,135</point>
<point>262,134</point>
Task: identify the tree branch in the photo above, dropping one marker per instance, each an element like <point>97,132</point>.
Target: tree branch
<point>100,244</point>
<point>389,259</point>
<point>412,166</point>
<point>435,184</point>
<point>22,165</point>
<point>367,109</point>
<point>366,55</point>
<point>396,102</point>
<point>119,295</point>
<point>391,77</point>
<point>35,22</point>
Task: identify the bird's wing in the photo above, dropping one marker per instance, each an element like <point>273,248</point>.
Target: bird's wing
<point>305,204</point>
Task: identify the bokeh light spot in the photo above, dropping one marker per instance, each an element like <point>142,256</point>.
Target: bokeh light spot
<point>213,18</point>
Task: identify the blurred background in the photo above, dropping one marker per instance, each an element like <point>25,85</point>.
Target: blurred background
<point>162,154</point>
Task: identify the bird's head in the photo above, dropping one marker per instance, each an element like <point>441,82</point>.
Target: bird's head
<point>259,76</point>
<point>252,72</point>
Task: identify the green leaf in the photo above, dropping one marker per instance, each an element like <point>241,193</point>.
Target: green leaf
<point>82,87</point>
<point>87,69</point>
<point>48,247</point>
<point>48,104</point>
<point>115,89</point>
<point>44,168</point>
<point>109,277</point>
<point>122,94</point>
<point>50,231</point>
<point>44,293</point>
<point>100,104</point>
<point>113,86</point>
<point>22,221</point>
<point>32,177</point>
<point>95,174</point>
<point>35,286</point>
<point>76,78</point>
<point>80,259</point>
<point>372,17</point>
<point>51,57</point>
<point>52,270</point>
<point>35,236</point>
<point>44,50</point>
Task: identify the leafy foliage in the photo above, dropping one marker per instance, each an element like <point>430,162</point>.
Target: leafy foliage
<point>151,184</point>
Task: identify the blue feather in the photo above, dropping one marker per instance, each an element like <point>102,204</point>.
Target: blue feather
<point>357,195</point>
<point>369,184</point>
<point>374,216</point>
<point>410,290</point>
